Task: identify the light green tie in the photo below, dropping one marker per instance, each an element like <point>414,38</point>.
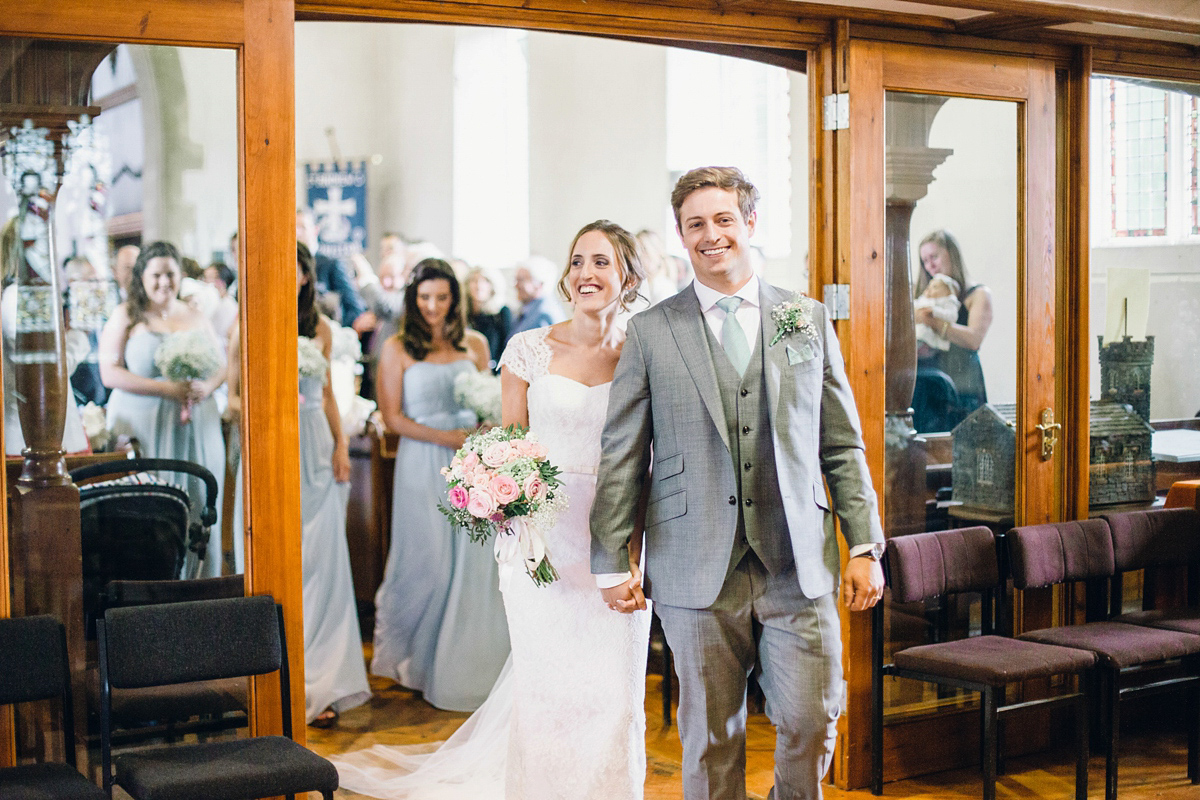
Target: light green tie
<point>733,338</point>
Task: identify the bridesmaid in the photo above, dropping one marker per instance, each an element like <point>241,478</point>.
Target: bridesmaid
<point>145,405</point>
<point>439,619</point>
<point>335,675</point>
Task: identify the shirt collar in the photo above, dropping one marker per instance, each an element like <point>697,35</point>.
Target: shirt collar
<point>708,296</point>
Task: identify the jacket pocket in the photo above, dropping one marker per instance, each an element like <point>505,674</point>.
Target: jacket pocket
<point>668,467</point>
<point>669,507</point>
<point>819,496</point>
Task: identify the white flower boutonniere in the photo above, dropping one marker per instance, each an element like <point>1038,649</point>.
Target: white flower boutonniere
<point>795,318</point>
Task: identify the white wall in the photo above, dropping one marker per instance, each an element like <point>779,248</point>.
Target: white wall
<point>597,138</point>
<point>974,197</point>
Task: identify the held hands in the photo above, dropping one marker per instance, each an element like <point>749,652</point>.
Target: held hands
<point>925,316</point>
<point>454,438</point>
<point>626,597</point>
<point>862,584</point>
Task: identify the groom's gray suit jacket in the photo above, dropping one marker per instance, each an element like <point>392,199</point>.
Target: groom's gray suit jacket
<point>674,389</point>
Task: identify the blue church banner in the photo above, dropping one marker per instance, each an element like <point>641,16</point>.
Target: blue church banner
<point>337,195</point>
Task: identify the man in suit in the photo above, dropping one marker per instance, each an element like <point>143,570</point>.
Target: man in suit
<point>534,281</point>
<point>738,388</point>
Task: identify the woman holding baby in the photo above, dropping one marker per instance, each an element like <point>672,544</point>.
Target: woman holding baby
<point>952,316</point>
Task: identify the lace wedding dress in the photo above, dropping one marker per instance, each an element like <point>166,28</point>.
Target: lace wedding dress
<point>566,719</point>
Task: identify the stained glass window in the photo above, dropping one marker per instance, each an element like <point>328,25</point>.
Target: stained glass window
<point>1138,121</point>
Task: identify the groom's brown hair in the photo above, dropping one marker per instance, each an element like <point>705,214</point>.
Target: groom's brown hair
<point>728,178</point>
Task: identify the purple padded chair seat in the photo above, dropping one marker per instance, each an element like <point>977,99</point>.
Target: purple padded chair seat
<point>1185,620</point>
<point>1120,645</point>
<point>994,660</point>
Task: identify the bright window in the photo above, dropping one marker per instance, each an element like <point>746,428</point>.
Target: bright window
<point>724,111</point>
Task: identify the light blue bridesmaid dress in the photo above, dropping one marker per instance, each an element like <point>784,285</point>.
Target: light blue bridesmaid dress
<point>155,423</point>
<point>439,617</point>
<point>335,675</point>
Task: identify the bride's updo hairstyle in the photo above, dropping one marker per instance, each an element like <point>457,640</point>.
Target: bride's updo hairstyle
<point>416,333</point>
<point>629,262</point>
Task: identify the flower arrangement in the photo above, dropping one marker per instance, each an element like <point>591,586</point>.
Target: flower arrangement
<point>501,482</point>
<point>190,355</point>
<point>479,392</point>
<point>794,317</point>
<point>346,345</point>
<point>310,359</point>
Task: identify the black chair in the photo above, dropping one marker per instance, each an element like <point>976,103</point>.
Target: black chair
<point>139,527</point>
<point>33,666</point>
<point>934,565</point>
<point>1131,660</point>
<point>171,711</point>
<point>173,643</point>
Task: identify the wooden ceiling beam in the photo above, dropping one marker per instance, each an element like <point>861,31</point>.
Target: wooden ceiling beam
<point>1060,13</point>
<point>1001,24</point>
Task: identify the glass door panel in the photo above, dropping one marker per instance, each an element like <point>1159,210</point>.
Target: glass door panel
<point>952,205</point>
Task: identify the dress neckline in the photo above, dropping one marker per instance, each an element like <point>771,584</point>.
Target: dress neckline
<point>577,383</point>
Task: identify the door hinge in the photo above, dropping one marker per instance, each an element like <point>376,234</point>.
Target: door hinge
<point>837,300</point>
<point>836,116</point>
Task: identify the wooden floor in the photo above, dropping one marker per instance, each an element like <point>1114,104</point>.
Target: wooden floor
<point>1153,766</point>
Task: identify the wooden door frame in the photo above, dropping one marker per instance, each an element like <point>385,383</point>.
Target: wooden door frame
<point>871,69</point>
<point>261,32</point>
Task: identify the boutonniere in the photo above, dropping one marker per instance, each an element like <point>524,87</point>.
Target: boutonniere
<point>795,318</point>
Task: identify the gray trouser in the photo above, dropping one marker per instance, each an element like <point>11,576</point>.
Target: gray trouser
<point>763,621</point>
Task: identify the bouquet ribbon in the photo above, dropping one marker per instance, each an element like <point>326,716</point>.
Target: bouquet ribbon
<point>518,543</point>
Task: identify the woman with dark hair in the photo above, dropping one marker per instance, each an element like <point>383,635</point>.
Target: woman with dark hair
<point>949,381</point>
<point>439,620</point>
<point>486,311</point>
<point>335,677</point>
<point>169,418</point>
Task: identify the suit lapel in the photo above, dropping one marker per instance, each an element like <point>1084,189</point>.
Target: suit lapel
<point>775,359</point>
<point>687,326</point>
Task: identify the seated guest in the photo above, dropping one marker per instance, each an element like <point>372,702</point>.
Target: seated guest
<point>486,311</point>
<point>535,279</point>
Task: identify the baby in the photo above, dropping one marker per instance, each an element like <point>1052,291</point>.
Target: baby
<point>941,298</point>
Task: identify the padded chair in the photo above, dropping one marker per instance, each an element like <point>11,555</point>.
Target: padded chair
<point>171,643</point>
<point>172,711</point>
<point>1149,659</point>
<point>933,565</point>
<point>33,666</point>
<point>1161,538</point>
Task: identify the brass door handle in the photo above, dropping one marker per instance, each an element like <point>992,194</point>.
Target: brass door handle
<point>1049,429</point>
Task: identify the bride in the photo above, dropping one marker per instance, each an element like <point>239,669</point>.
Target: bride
<point>566,718</point>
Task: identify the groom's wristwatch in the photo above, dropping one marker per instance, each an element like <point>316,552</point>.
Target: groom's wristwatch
<point>874,554</point>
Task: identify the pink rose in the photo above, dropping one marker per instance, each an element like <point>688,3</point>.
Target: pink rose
<point>470,460</point>
<point>512,455</point>
<point>537,450</point>
<point>504,489</point>
<point>496,454</point>
<point>535,488</point>
<point>481,479</point>
<point>458,497</point>
<point>480,504</point>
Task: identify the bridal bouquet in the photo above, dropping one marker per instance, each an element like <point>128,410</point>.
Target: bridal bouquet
<point>479,392</point>
<point>500,482</point>
<point>188,356</point>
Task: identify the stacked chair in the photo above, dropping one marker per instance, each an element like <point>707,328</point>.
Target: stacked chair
<point>33,666</point>
<point>172,643</point>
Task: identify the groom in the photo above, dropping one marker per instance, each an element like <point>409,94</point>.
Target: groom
<point>731,401</point>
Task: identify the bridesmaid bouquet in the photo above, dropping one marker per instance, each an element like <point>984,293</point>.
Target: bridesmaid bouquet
<point>310,360</point>
<point>479,392</point>
<point>188,356</point>
<point>500,482</point>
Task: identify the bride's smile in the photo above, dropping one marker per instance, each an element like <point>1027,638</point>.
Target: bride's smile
<point>594,279</point>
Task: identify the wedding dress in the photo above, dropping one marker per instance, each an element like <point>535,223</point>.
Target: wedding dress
<point>566,718</point>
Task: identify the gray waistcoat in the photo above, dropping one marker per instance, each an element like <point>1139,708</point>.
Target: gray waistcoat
<point>762,526</point>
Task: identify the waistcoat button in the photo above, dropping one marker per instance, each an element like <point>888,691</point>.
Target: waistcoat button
<point>745,429</point>
<point>745,392</point>
<point>732,500</point>
<point>749,502</point>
